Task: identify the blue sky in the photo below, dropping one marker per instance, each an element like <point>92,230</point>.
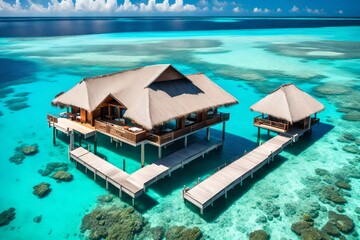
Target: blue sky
<point>311,8</point>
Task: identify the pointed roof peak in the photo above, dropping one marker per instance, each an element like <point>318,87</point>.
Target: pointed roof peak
<point>289,103</point>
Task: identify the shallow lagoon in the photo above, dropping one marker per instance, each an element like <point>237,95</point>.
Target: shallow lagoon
<point>246,63</point>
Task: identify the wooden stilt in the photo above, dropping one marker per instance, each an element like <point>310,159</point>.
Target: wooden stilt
<point>208,134</point>
<point>54,137</point>
<point>107,184</point>
<point>72,140</point>
<point>185,141</point>
<point>124,165</point>
<point>268,133</point>
<point>159,151</point>
<point>116,144</point>
<point>133,201</point>
<point>258,135</point>
<point>142,154</point>
<point>223,131</point>
<point>79,140</point>
<point>120,193</point>
<point>95,143</point>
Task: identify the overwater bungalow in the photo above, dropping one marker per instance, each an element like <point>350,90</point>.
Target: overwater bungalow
<point>287,111</point>
<point>285,108</point>
<point>150,105</point>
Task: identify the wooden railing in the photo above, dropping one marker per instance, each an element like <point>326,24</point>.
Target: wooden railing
<point>119,131</point>
<point>263,121</point>
<point>51,119</point>
<point>167,137</point>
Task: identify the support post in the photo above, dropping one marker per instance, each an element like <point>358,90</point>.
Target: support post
<point>142,154</point>
<point>107,184</point>
<point>133,201</point>
<point>185,141</point>
<point>72,140</point>
<point>159,151</point>
<point>223,131</point>
<point>54,137</point>
<point>120,193</point>
<point>95,143</point>
<point>258,135</point>
<point>116,144</point>
<point>124,165</point>
<point>79,139</point>
<point>268,132</point>
<point>201,211</point>
<point>208,134</point>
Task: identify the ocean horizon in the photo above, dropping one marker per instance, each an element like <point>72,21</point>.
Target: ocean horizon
<point>314,183</point>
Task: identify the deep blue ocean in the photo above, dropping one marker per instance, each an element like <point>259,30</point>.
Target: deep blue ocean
<point>47,26</point>
<point>248,57</point>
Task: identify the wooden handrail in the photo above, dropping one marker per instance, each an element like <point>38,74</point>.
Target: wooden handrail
<point>259,121</point>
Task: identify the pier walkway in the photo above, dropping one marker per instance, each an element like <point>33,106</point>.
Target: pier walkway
<point>136,183</point>
<point>206,192</point>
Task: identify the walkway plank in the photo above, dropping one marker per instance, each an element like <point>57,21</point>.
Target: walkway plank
<point>206,192</point>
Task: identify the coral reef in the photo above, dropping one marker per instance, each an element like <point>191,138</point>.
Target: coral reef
<point>62,176</point>
<point>52,167</point>
<point>7,216</point>
<point>259,235</point>
<point>113,223</point>
<point>42,189</point>
<point>341,222</point>
<point>37,219</point>
<point>30,149</point>
<point>183,233</point>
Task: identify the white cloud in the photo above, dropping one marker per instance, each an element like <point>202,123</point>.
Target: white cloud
<point>203,2</point>
<point>219,4</point>
<point>257,10</point>
<point>314,11</point>
<point>340,11</point>
<point>260,10</point>
<point>178,6</point>
<point>127,6</point>
<point>294,9</point>
<point>279,10</point>
<point>217,9</point>
<point>64,7</point>
<point>205,9</point>
<point>238,9</point>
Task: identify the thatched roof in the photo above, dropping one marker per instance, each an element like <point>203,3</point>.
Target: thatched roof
<point>152,94</point>
<point>289,103</point>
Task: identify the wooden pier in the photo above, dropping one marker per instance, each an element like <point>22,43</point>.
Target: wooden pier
<point>206,192</point>
<point>136,183</point>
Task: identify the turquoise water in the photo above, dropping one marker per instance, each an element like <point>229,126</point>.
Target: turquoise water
<point>246,63</point>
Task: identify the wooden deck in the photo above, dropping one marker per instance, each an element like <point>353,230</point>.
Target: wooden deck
<point>136,183</point>
<point>206,192</point>
<point>65,125</point>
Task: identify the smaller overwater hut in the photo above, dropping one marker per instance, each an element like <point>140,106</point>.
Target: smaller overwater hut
<point>285,108</point>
